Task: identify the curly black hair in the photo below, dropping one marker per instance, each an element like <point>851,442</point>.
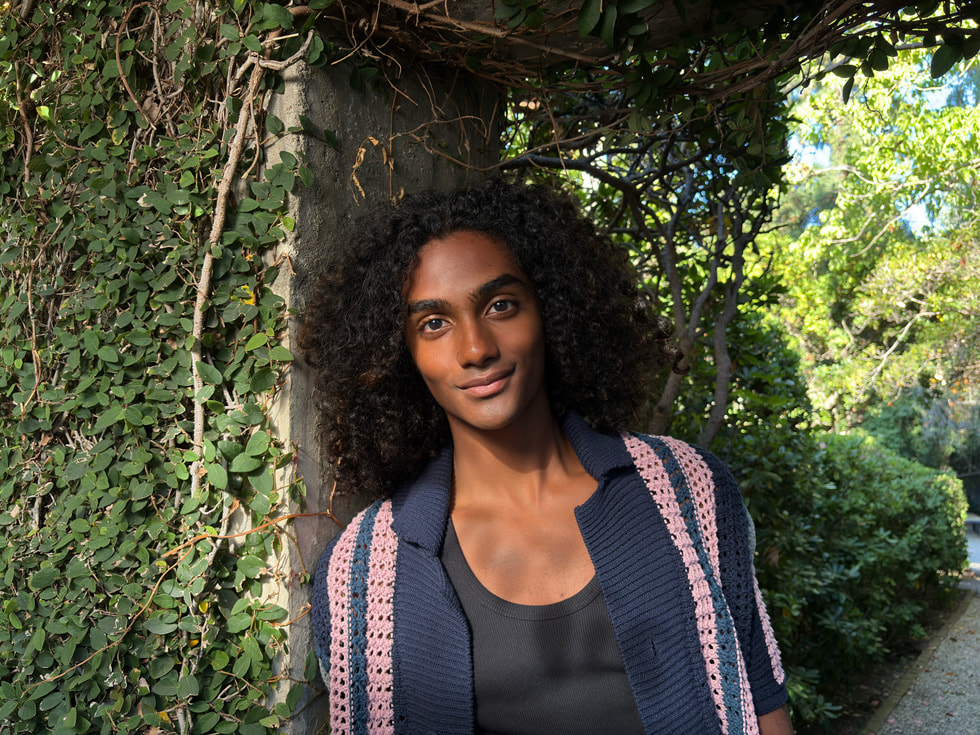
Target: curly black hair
<point>378,422</point>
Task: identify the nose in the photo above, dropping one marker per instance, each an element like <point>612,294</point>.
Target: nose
<point>475,344</point>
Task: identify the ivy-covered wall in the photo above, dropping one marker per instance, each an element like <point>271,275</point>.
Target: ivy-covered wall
<point>136,384</point>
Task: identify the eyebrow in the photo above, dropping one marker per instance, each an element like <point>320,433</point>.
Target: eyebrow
<point>490,286</point>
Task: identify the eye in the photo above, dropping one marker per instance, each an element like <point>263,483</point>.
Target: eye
<point>502,306</point>
<point>433,324</point>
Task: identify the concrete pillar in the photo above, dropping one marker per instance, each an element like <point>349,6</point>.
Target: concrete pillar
<point>438,129</point>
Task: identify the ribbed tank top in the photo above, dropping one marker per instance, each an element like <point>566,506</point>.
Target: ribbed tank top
<point>541,669</point>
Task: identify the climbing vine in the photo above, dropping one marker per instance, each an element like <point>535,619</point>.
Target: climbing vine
<point>140,479</point>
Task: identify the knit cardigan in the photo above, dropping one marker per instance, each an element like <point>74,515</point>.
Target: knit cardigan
<point>668,535</point>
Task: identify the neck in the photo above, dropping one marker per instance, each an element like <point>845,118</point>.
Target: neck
<point>519,464</point>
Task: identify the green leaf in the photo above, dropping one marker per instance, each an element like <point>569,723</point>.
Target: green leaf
<point>256,340</point>
<point>162,624</point>
<point>167,686</point>
<point>229,450</point>
<point>43,578</point>
<point>219,659</point>
<point>273,612</point>
<point>944,59</point>
<point>608,30</point>
<point>217,476</point>
<point>258,444</point>
<point>310,666</point>
<point>75,470</point>
<point>280,353</point>
<point>262,380</point>
<point>188,686</point>
<point>262,482</point>
<point>209,373</point>
<point>588,17</point>
<point>108,417</point>
<point>238,623</point>
<point>250,565</point>
<point>295,694</point>
<point>260,504</point>
<point>161,665</point>
<point>244,463</point>
<point>635,6</point>
<point>278,14</point>
<point>36,643</point>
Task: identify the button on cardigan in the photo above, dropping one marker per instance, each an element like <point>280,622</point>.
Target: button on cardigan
<point>668,536</point>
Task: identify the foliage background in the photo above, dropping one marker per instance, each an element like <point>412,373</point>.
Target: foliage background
<point>136,454</point>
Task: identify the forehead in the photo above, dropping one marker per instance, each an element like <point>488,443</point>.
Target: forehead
<point>459,262</point>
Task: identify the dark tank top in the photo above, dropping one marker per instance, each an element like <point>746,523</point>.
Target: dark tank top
<point>541,669</point>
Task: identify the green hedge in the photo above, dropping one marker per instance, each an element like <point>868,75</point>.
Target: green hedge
<point>863,548</point>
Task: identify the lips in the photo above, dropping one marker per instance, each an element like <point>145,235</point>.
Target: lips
<point>486,385</point>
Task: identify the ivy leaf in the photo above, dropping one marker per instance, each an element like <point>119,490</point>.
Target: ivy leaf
<point>238,623</point>
<point>280,353</point>
<point>42,578</point>
<point>188,686</point>
<point>209,373</point>
<point>258,443</point>
<point>167,686</point>
<point>250,565</point>
<point>218,476</point>
<point>162,624</point>
<point>310,666</point>
<point>262,380</point>
<point>260,504</point>
<point>256,341</point>
<point>244,463</point>
<point>635,6</point>
<point>278,14</point>
<point>608,31</point>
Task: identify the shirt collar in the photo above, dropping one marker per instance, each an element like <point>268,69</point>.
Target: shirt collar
<point>421,507</point>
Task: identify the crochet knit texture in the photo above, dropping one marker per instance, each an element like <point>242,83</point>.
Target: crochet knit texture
<point>353,612</point>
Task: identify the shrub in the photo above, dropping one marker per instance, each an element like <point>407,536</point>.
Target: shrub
<point>859,555</point>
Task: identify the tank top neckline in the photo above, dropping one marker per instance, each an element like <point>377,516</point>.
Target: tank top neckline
<point>506,608</point>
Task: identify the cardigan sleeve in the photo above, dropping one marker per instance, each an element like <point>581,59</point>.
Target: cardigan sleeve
<point>353,621</point>
<point>737,570</point>
<point>320,608</point>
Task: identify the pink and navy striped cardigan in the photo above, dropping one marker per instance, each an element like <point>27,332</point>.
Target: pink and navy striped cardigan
<point>668,535</point>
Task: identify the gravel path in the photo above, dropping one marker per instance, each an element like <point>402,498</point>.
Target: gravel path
<point>940,695</point>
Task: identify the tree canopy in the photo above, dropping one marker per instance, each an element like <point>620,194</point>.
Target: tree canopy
<point>881,247</point>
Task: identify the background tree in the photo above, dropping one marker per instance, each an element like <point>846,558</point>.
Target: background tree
<point>881,256</point>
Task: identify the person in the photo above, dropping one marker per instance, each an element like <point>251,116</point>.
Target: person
<point>528,566</point>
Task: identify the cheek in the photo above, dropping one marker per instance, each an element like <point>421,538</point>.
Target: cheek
<point>425,361</point>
